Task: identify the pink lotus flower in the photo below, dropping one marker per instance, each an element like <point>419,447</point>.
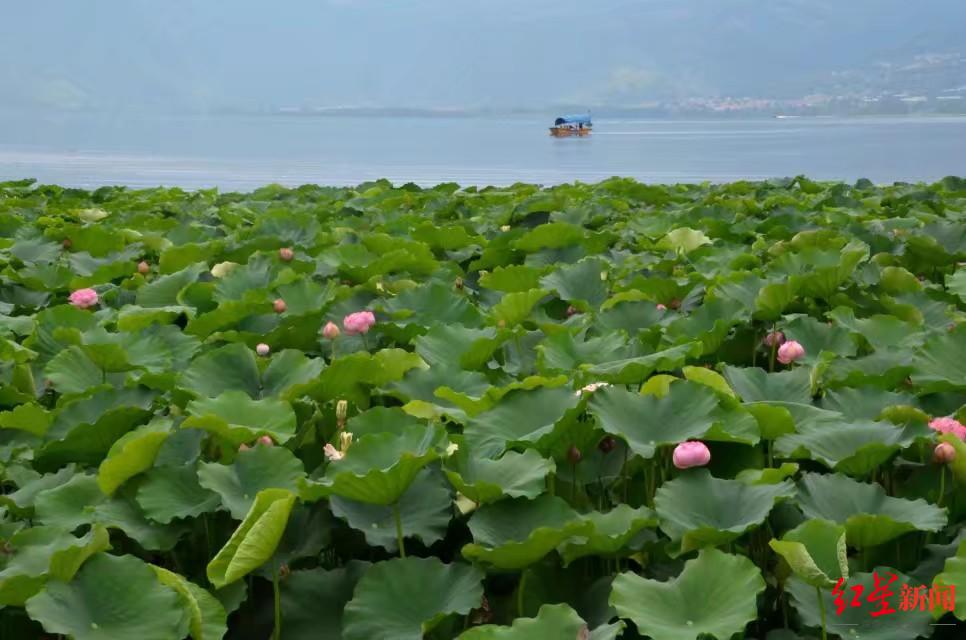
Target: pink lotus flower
<point>691,454</point>
<point>944,453</point>
<point>279,306</point>
<point>774,339</point>
<point>83,298</point>
<point>661,307</point>
<point>144,268</point>
<point>262,349</point>
<point>790,352</point>
<point>330,331</point>
<point>267,441</point>
<point>948,424</point>
<point>331,452</point>
<point>358,322</point>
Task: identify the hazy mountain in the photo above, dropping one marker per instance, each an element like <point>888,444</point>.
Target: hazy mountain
<point>250,54</point>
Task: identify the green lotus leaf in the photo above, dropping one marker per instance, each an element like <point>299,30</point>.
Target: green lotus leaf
<point>207,617</point>
<point>131,454</point>
<point>483,480</point>
<point>954,575</point>
<point>581,282</point>
<point>166,290</point>
<point>855,448</point>
<point>816,337</point>
<point>815,550</point>
<point>637,369</point>
<point>445,345</point>
<point>434,303</point>
<point>31,418</point>
<point>681,609</point>
<point>229,368</point>
<point>514,308</point>
<point>255,539</point>
<point>612,532</point>
<point>85,430</point>
<point>72,371</point>
<point>521,417</point>
<point>885,368</point>
<point>941,363</point>
<point>425,510</point>
<point>757,385</point>
<point>313,601</point>
<point>305,296</point>
<point>698,510</point>
<point>768,476</point>
<point>406,598</point>
<point>289,373</point>
<point>648,422</point>
<point>552,621</point>
<point>881,331</point>
<point>515,533</point>
<point>475,405</point>
<point>631,317</point>
<point>38,553</point>
<point>553,235</point>
<point>711,324</point>
<point>564,352</point>
<point>251,472</point>
<point>22,500</point>
<point>955,283</point>
<point>866,403</point>
<point>237,418</point>
<point>512,278</point>
<point>869,515</point>
<point>110,598</point>
<point>418,390</point>
<point>379,467</point>
<point>348,377</point>
<point>958,465</point>
<point>857,622</point>
<point>173,492</point>
<point>308,532</point>
<point>772,299</point>
<point>709,378</point>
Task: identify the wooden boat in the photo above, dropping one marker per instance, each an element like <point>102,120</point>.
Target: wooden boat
<point>567,126</point>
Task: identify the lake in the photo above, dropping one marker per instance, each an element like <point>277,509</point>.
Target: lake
<point>243,152</point>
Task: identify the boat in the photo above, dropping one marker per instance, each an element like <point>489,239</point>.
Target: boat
<point>566,126</point>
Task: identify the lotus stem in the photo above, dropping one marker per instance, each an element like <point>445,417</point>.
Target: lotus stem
<point>821,608</point>
<point>399,530</point>
<point>277,633</point>
<point>520,590</point>
<point>365,343</point>
<point>942,485</point>
<point>771,360</point>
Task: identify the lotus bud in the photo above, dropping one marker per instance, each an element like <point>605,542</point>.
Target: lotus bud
<point>661,307</point>
<point>330,331</point>
<point>459,282</point>
<point>83,298</point>
<point>590,388</point>
<point>944,453</point>
<point>243,447</point>
<point>607,444</point>
<point>341,409</point>
<point>501,323</point>
<point>284,571</point>
<point>222,269</point>
<point>774,339</point>
<point>505,228</point>
<point>790,352</point>
<point>286,254</point>
<point>262,349</point>
<point>345,441</point>
<point>144,268</point>
<point>331,453</point>
<point>691,454</point>
<point>67,243</point>
<point>267,441</point>
<point>279,306</point>
<point>674,304</point>
<point>573,455</point>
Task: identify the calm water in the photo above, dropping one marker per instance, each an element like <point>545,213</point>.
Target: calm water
<point>241,153</point>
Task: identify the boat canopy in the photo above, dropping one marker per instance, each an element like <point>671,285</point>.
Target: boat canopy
<point>578,119</point>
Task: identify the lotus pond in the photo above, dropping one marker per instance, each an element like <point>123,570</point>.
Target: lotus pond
<point>590,411</point>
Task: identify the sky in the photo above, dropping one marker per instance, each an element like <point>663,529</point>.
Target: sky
<point>194,55</point>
